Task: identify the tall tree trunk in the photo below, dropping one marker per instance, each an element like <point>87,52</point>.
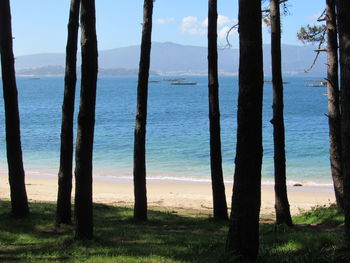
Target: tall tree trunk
<point>218,187</point>
<point>243,235</point>
<point>281,198</point>
<point>343,11</point>
<point>19,199</point>
<point>86,122</point>
<point>140,208</point>
<point>334,119</point>
<point>63,211</point>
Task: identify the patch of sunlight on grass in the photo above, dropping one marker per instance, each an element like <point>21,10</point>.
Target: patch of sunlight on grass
<point>170,237</point>
<point>288,247</point>
<point>327,214</point>
<point>129,259</point>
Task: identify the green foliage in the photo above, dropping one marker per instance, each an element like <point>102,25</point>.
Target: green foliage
<point>322,215</point>
<point>284,11</point>
<point>316,237</point>
<point>168,236</point>
<point>312,34</point>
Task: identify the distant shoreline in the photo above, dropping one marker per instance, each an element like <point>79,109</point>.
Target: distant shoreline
<point>172,58</point>
<point>123,177</point>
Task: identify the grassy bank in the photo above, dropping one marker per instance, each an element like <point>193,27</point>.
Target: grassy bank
<point>168,236</point>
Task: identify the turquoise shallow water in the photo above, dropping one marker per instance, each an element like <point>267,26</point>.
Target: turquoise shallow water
<point>177,131</point>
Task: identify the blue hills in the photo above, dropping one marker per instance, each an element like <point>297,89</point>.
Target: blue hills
<point>174,59</point>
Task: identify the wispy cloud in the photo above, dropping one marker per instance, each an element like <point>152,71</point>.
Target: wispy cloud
<point>166,20</point>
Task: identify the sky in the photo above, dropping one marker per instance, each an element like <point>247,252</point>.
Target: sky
<point>40,26</point>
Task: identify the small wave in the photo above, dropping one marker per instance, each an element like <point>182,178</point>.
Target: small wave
<point>196,179</point>
<point>117,176</point>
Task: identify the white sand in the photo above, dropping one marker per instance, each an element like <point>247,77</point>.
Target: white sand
<point>170,194</point>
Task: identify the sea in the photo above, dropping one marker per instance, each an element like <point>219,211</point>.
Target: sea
<point>177,129</point>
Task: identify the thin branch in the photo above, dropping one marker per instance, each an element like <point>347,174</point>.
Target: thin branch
<point>322,17</point>
<point>315,34</point>
<point>228,34</point>
<point>228,45</point>
<point>318,50</point>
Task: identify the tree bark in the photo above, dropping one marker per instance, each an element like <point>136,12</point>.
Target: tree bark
<point>281,198</point>
<point>243,235</point>
<point>19,199</point>
<point>140,208</point>
<point>63,211</point>
<point>334,119</point>
<point>218,187</point>
<point>86,122</point>
<point>343,11</point>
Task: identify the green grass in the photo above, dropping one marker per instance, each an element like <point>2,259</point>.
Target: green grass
<point>168,236</point>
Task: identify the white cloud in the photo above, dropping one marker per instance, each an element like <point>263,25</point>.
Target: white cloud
<point>162,21</point>
<point>205,22</point>
<point>193,26</point>
<point>223,32</point>
<point>189,21</point>
<point>223,20</point>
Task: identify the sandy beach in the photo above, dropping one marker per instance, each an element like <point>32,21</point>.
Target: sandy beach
<point>171,194</point>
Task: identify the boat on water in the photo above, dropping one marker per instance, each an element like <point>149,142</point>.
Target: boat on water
<point>315,80</point>
<point>321,84</point>
<point>314,85</point>
<point>174,79</point>
<point>184,83</point>
<point>270,82</point>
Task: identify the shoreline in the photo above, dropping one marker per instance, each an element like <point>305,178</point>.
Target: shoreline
<point>125,176</point>
<point>173,195</point>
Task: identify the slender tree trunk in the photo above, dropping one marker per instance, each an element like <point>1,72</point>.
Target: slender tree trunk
<point>19,199</point>
<point>86,122</point>
<point>63,211</point>
<point>281,198</point>
<point>334,119</point>
<point>140,208</point>
<point>218,187</point>
<point>343,11</point>
<point>243,235</point>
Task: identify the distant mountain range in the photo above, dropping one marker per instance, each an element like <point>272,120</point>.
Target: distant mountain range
<point>59,71</point>
<point>173,59</point>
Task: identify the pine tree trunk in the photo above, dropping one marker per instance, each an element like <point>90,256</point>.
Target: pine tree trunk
<point>281,198</point>
<point>243,236</point>
<point>343,11</point>
<point>140,208</point>
<point>19,199</point>
<point>218,187</point>
<point>86,122</point>
<point>334,119</point>
<point>63,211</point>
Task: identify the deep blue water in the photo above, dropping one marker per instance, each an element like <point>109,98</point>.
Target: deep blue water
<point>177,128</point>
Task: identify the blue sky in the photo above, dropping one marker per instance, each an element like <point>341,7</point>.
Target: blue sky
<point>40,26</point>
